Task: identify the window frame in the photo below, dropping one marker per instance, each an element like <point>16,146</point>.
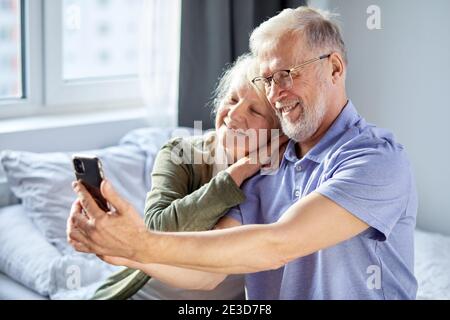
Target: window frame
<point>107,92</point>
<point>32,85</point>
<point>44,90</point>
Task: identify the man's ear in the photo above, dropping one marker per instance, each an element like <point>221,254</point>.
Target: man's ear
<point>338,67</point>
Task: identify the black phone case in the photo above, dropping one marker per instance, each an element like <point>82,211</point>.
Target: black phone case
<point>92,178</point>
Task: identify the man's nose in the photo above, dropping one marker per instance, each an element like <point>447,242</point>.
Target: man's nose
<point>275,93</point>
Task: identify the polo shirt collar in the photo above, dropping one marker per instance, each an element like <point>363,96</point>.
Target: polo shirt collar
<point>348,117</point>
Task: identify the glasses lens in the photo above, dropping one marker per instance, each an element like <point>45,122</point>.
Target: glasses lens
<point>283,79</point>
<point>260,83</point>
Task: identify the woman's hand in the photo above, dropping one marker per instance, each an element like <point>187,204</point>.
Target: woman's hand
<point>268,157</point>
<point>115,234</point>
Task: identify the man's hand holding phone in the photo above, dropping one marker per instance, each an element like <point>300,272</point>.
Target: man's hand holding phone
<point>106,233</point>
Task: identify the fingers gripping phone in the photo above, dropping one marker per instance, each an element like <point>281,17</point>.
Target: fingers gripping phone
<point>89,170</point>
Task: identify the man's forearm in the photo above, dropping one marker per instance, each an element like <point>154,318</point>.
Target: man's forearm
<point>244,249</point>
<point>312,224</point>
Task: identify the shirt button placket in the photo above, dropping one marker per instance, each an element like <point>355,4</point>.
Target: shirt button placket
<point>297,192</point>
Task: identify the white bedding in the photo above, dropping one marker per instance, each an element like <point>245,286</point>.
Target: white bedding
<point>12,290</point>
<point>28,259</point>
<point>33,246</point>
<point>432,265</point>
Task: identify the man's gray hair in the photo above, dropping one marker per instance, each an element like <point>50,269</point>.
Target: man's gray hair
<point>317,27</point>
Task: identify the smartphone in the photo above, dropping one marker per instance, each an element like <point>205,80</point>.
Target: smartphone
<point>88,169</point>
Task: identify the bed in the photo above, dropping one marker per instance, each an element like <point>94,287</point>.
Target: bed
<point>37,263</point>
<point>11,289</point>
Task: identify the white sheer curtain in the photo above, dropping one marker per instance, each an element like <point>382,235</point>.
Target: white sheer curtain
<point>159,59</point>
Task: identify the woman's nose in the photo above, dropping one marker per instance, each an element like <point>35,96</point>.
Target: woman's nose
<point>237,113</point>
<point>222,112</point>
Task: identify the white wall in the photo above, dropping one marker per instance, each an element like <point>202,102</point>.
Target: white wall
<point>399,78</point>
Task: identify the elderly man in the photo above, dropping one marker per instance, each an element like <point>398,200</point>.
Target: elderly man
<point>336,221</point>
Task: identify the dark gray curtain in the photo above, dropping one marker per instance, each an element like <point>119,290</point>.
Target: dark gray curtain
<point>214,33</point>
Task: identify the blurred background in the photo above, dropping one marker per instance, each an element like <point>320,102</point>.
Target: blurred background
<point>74,58</point>
<point>80,74</point>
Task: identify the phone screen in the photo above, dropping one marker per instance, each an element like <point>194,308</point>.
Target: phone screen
<point>88,169</point>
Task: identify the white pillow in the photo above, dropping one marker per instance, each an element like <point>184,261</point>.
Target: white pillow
<point>25,255</point>
<point>77,276</point>
<point>43,181</point>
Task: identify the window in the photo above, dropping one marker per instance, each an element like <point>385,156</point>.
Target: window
<point>101,38</point>
<point>62,56</point>
<point>84,53</point>
<point>10,49</point>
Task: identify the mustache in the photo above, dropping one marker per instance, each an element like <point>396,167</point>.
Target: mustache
<point>278,112</point>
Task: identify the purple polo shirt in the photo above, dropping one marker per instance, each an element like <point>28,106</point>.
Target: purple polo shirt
<point>361,168</point>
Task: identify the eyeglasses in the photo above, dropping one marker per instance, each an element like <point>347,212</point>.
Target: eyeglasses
<point>283,78</point>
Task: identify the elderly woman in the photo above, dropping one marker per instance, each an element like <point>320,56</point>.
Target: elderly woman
<point>190,195</point>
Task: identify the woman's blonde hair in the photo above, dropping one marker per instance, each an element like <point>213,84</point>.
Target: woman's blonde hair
<point>244,69</point>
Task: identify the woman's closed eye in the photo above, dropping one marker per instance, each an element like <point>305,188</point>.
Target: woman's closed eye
<point>255,111</point>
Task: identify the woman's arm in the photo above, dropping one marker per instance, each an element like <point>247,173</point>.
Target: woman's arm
<point>184,197</point>
<point>173,205</point>
<point>179,277</point>
<point>173,276</point>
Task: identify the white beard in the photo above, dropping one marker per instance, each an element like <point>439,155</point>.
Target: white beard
<point>308,122</point>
